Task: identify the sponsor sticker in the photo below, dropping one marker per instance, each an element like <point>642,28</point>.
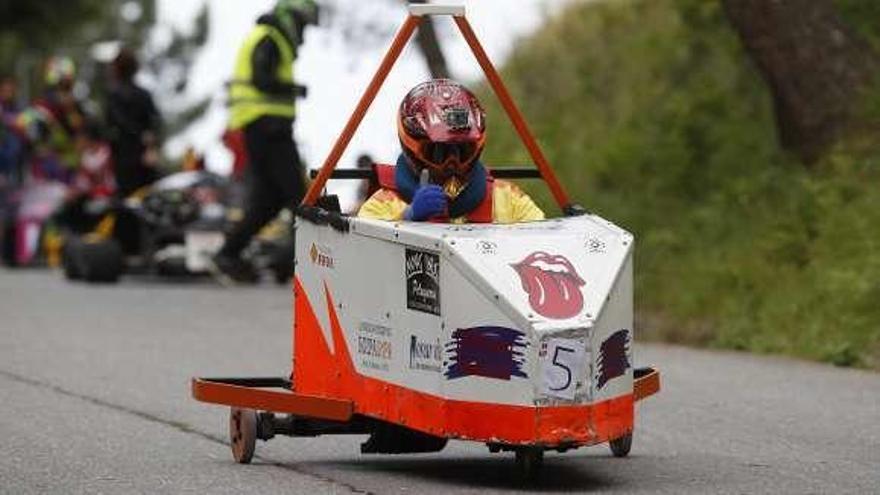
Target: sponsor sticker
<point>562,365</point>
<point>423,281</point>
<point>321,256</point>
<point>488,248</point>
<point>374,348</point>
<point>613,358</point>
<point>552,284</point>
<point>595,245</point>
<point>425,355</point>
<point>489,352</point>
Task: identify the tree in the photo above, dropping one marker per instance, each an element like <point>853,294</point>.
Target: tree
<point>429,45</point>
<point>169,67</point>
<point>37,30</point>
<point>816,66</point>
<point>41,25</point>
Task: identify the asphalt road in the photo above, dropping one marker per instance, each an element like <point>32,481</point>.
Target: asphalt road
<point>94,398</point>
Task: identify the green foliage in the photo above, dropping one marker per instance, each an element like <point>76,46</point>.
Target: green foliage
<point>655,118</point>
<point>862,15</point>
<point>30,25</point>
<point>34,31</point>
<point>171,68</point>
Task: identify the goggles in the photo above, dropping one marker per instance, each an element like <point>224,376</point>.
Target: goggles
<point>454,158</point>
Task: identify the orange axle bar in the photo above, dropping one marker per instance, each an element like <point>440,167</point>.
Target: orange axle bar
<point>207,390</point>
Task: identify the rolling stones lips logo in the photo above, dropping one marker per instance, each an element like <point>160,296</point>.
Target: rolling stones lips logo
<point>553,285</point>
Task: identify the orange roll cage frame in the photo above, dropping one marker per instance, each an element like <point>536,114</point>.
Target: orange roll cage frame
<point>400,40</point>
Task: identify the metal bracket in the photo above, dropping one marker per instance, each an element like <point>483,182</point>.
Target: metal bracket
<point>421,10</point>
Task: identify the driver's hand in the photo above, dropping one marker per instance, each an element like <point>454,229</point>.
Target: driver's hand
<point>429,201</point>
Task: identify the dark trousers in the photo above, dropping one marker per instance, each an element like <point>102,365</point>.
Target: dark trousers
<point>274,179</point>
<point>128,166</point>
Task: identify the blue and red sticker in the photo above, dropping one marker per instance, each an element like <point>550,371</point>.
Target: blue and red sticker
<point>613,358</point>
<point>486,351</point>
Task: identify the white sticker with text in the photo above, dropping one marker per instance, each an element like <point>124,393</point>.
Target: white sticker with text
<point>562,365</point>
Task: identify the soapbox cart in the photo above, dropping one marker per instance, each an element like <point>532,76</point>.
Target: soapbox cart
<point>516,336</point>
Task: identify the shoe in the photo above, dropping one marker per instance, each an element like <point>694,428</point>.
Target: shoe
<point>231,271</point>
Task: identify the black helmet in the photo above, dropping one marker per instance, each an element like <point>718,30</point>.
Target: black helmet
<point>295,15</point>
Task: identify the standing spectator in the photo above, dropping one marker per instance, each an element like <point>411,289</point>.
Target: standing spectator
<point>133,124</point>
<point>11,145</point>
<point>262,100</point>
<point>62,111</point>
<point>9,103</point>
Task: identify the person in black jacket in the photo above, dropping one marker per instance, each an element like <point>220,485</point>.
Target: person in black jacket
<point>262,105</point>
<point>133,123</point>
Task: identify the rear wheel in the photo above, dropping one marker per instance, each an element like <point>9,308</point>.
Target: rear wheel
<point>282,263</point>
<point>70,259</point>
<point>620,447</point>
<point>529,461</point>
<point>242,434</point>
<point>100,261</point>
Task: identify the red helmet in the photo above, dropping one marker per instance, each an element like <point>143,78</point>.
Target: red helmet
<point>442,128</point>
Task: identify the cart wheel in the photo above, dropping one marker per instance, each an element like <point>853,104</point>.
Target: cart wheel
<point>243,434</point>
<point>100,261</point>
<point>529,461</point>
<point>620,446</point>
<point>70,261</point>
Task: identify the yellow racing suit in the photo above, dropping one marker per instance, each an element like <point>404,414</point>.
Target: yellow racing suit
<point>509,205</point>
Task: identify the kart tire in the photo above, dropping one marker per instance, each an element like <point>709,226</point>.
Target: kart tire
<point>282,275</point>
<point>620,447</point>
<point>70,259</point>
<point>282,264</point>
<point>242,434</point>
<point>100,261</point>
<point>172,268</point>
<point>529,462</point>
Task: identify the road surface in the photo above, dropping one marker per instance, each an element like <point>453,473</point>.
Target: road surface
<point>94,398</point>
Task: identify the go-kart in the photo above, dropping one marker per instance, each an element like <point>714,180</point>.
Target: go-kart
<point>169,229</point>
<point>517,336</point>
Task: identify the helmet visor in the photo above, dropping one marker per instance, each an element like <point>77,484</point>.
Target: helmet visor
<point>458,157</point>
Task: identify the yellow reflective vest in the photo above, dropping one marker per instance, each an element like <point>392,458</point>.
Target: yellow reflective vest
<point>247,103</point>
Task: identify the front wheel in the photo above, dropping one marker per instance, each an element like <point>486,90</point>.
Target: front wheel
<point>620,447</point>
<point>243,434</point>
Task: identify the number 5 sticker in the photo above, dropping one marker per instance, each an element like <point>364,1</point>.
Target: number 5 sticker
<point>562,364</point>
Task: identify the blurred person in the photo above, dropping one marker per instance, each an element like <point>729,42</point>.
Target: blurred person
<point>94,177</point>
<point>65,112</point>
<point>9,103</point>
<point>10,154</point>
<point>439,176</point>
<point>234,142</point>
<point>262,106</point>
<point>92,183</point>
<point>90,188</point>
<point>49,154</point>
<point>133,124</point>
<point>11,144</point>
